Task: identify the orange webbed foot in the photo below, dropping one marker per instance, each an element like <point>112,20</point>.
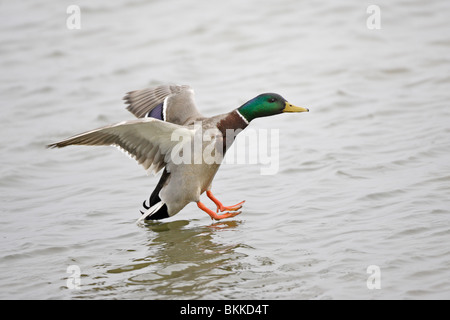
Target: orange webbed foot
<point>215,215</point>
<point>220,206</point>
<point>235,207</point>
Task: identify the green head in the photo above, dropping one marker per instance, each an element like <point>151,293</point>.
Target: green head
<point>267,104</point>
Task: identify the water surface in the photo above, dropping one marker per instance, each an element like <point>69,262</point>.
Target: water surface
<point>363,179</point>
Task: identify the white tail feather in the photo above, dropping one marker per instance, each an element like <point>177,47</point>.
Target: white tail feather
<point>153,209</point>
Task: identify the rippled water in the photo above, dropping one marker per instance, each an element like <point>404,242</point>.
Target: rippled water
<point>363,179</point>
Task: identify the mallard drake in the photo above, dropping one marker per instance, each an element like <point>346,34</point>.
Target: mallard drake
<point>166,136</point>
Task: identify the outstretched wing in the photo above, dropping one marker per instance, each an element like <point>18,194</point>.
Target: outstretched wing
<point>170,103</point>
<point>149,141</point>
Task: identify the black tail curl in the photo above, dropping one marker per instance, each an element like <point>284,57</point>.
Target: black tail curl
<point>162,213</point>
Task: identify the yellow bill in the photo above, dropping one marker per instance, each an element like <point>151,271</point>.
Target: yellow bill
<point>291,108</point>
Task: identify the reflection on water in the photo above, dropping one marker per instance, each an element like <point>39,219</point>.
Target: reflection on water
<point>181,259</point>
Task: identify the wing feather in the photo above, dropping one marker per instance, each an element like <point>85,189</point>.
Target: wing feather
<point>178,102</point>
<point>148,140</point>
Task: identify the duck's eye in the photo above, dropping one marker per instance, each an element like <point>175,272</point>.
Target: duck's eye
<point>272,100</point>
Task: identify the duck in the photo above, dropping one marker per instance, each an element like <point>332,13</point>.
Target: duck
<point>170,134</point>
